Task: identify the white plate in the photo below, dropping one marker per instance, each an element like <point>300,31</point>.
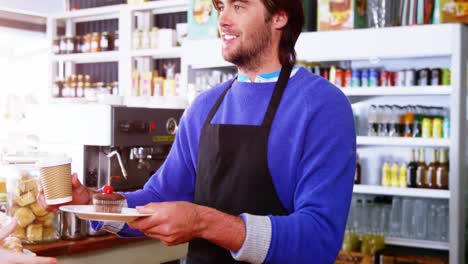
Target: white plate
<point>86,212</point>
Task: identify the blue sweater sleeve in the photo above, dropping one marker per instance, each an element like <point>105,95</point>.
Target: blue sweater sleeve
<point>313,232</point>
<point>173,181</point>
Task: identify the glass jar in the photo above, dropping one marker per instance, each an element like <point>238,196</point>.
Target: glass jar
<point>63,45</point>
<point>86,47</point>
<point>95,42</point>
<point>136,39</point>
<point>78,40</point>
<point>70,42</point>
<point>56,45</point>
<point>34,223</point>
<point>116,40</point>
<point>104,41</point>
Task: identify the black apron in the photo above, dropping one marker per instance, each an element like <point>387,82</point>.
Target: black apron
<point>233,174</point>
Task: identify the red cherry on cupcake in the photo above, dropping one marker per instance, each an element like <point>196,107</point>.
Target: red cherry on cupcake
<point>108,189</point>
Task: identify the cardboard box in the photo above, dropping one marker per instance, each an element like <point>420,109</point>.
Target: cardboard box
<point>341,14</point>
<point>453,11</point>
<point>202,20</point>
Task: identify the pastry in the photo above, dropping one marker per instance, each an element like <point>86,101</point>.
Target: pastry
<point>108,201</point>
<point>38,210</point>
<point>49,233</point>
<point>47,220</point>
<point>24,216</point>
<point>19,232</point>
<point>26,199</point>
<point>34,232</point>
<point>12,244</point>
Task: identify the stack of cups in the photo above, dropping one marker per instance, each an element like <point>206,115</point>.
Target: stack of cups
<point>55,177</point>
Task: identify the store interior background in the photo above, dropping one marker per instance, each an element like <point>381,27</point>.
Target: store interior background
<point>25,86</point>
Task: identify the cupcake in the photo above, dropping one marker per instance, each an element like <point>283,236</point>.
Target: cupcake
<point>108,201</point>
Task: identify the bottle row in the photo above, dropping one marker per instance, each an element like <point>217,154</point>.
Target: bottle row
<point>415,121</point>
<point>409,218</point>
<point>82,86</point>
<point>94,42</point>
<point>418,174</point>
<point>380,77</point>
<point>159,37</point>
<point>152,84</point>
<point>204,80</point>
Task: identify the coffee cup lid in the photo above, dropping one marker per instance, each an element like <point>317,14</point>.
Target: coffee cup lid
<point>54,161</point>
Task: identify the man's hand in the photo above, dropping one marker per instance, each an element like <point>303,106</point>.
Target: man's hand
<point>179,222</point>
<point>80,195</point>
<point>172,222</point>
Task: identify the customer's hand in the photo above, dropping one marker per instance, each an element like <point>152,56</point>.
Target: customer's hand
<point>172,222</point>
<point>80,195</point>
<point>10,257</point>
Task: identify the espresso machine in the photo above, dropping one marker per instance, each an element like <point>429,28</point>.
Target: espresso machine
<point>141,139</point>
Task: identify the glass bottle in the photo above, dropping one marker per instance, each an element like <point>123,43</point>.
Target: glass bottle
<point>80,86</point>
<point>431,177</point>
<point>357,174</point>
<point>394,174</point>
<point>442,172</point>
<point>402,180</point>
<point>411,170</point>
<point>372,128</point>
<point>386,172</point>
<point>421,171</point>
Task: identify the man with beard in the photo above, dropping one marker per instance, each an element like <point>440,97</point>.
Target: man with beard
<point>262,166</point>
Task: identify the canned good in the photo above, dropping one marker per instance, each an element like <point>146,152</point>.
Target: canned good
<point>373,78</point>
<point>423,77</point>
<point>446,77</point>
<point>437,127</point>
<point>410,77</point>
<point>365,78</point>
<point>356,78</point>
<point>435,76</point>
<point>347,78</point>
<point>427,127</point>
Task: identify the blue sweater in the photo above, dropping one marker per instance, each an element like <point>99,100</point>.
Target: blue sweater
<point>311,156</point>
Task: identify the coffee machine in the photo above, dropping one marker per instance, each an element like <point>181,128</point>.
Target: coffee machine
<point>141,139</point>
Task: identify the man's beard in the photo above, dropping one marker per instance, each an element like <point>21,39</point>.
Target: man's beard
<point>248,56</point>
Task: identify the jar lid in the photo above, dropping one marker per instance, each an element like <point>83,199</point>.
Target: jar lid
<point>54,161</point>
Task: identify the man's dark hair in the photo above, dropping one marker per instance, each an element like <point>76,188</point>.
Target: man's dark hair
<point>292,30</point>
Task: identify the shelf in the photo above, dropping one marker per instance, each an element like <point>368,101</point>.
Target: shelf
<point>417,243</point>
<point>397,90</point>
<point>407,192</point>
<point>175,52</point>
<point>371,43</point>
<point>404,142</point>
<point>105,56</point>
<point>161,6</point>
<point>91,14</point>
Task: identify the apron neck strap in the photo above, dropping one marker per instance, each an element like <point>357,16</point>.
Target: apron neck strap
<point>277,94</point>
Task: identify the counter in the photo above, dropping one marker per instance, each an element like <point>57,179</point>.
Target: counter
<point>110,249</point>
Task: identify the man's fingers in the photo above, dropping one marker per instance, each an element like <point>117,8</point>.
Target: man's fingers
<point>42,202</point>
<point>75,181</point>
<point>8,229</point>
<point>147,209</point>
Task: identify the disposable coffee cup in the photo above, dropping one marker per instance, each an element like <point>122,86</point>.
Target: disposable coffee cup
<point>55,177</point>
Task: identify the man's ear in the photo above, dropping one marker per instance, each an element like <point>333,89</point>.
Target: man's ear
<point>279,20</point>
